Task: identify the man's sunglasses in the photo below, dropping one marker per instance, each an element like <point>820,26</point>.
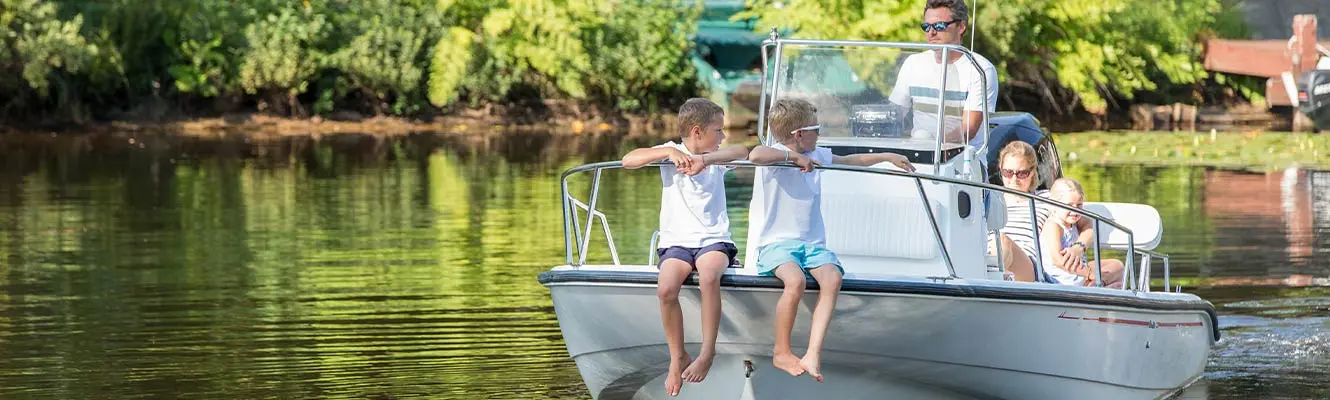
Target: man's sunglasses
<point>1020,174</point>
<point>937,26</point>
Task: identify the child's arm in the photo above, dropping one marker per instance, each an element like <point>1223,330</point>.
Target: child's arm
<point>1086,227</point>
<point>700,162</point>
<point>725,155</point>
<point>643,156</point>
<point>1050,237</point>
<point>865,160</point>
<point>763,155</point>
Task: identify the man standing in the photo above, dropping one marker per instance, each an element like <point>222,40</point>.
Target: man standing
<point>917,83</point>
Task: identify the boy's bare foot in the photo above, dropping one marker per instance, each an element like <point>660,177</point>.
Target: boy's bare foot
<point>674,381</point>
<point>788,363</point>
<point>697,370</point>
<point>812,364</point>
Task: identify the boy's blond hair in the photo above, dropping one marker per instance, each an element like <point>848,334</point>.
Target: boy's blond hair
<point>790,114</point>
<point>697,112</point>
<point>1065,186</point>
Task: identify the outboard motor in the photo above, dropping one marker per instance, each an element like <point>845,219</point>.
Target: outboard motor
<point>1314,98</point>
<point>1007,126</point>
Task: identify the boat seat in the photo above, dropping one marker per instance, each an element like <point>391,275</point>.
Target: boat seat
<point>881,227</point>
<point>1143,220</point>
<point>871,230</point>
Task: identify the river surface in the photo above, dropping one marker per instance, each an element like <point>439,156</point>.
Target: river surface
<point>357,267</point>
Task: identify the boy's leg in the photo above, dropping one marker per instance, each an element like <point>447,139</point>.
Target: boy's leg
<point>673,271</point>
<point>710,267</point>
<point>786,308</point>
<point>828,279</point>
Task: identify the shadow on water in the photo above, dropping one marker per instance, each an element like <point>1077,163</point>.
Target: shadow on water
<point>365,267</point>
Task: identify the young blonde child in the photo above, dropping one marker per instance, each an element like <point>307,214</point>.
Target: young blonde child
<point>1064,235</point>
<point>694,229</point>
<point>792,242</point>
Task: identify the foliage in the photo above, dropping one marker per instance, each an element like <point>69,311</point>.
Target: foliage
<point>38,51</point>
<point>280,61</point>
<point>639,58</point>
<point>386,59</point>
<point>451,57</point>
<point>423,57</point>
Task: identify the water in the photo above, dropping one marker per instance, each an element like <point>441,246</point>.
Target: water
<point>356,267</point>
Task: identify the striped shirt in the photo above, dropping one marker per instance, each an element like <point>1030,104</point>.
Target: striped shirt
<point>1018,226</point>
<point>917,88</point>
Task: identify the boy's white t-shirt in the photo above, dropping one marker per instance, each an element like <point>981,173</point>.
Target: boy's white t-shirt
<point>792,201</point>
<point>692,208</point>
<point>917,88</point>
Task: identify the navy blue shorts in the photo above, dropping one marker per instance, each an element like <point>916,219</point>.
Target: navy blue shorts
<point>690,254</point>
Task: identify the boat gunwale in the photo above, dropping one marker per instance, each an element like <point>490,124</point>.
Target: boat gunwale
<point>971,289</point>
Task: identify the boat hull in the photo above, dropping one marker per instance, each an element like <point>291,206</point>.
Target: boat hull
<point>918,338</point>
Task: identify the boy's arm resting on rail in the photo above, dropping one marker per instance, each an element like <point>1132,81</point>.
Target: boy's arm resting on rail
<point>867,160</point>
<point>643,156</point>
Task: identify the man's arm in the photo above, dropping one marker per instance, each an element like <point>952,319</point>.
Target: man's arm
<point>973,121</point>
<point>979,101</point>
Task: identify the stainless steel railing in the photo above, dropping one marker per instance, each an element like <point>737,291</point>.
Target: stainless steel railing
<point>576,234</point>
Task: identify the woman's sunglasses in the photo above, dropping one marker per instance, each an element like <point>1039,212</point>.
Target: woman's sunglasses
<point>937,26</point>
<point>1020,174</point>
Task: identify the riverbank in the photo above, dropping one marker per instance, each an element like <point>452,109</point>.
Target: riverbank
<point>1255,150</point>
<point>258,126</point>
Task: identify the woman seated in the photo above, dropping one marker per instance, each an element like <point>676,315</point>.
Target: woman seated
<point>1017,165</point>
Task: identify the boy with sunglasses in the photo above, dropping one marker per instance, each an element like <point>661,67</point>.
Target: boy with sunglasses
<point>917,88</point>
<point>792,239</point>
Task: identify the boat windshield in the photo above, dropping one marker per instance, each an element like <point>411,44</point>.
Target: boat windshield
<point>884,94</point>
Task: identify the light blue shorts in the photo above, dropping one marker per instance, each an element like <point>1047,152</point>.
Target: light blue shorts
<point>807,256</point>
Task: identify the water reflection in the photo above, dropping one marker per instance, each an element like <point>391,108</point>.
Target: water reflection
<point>355,266</point>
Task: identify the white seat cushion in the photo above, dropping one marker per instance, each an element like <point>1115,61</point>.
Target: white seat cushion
<point>886,227</point>
<point>1143,221</point>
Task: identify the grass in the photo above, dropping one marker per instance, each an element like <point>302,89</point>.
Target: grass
<point>1258,151</point>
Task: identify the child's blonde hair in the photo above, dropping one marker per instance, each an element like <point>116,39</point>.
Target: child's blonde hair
<point>790,114</point>
<point>697,112</point>
<point>1065,186</point>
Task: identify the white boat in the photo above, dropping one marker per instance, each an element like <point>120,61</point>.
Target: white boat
<point>923,312</point>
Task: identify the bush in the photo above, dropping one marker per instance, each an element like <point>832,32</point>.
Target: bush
<point>281,60</point>
<point>39,53</point>
<point>385,59</point>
